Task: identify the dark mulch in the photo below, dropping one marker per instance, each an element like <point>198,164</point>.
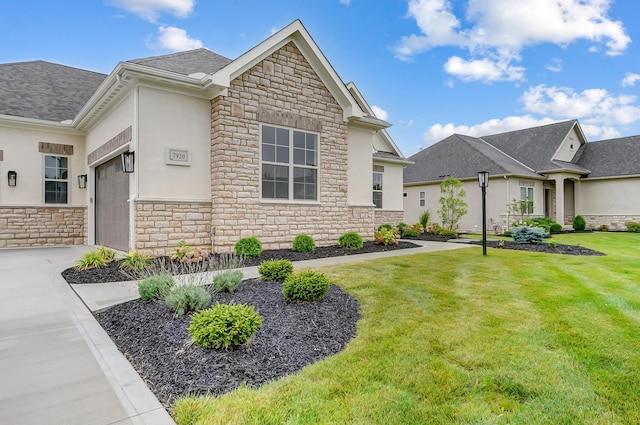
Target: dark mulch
<point>113,273</point>
<point>543,247</point>
<point>293,335</point>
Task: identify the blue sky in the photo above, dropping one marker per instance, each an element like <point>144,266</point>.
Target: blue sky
<point>429,67</point>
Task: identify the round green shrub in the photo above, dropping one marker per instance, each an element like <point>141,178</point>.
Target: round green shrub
<point>303,243</point>
<point>227,281</point>
<point>555,228</point>
<point>186,298</point>
<point>632,227</point>
<point>385,226</point>
<point>410,232</point>
<point>401,226</point>
<point>305,286</point>
<point>224,325</point>
<point>446,233</point>
<point>248,247</point>
<point>155,287</point>
<point>350,240</point>
<point>275,270</point>
<point>579,223</point>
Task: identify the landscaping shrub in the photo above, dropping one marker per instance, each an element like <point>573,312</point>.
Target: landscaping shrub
<point>386,237</point>
<point>350,240</point>
<point>107,253</point>
<point>248,247</point>
<point>446,233</point>
<point>185,253</point>
<point>385,226</point>
<point>555,228</point>
<point>579,223</point>
<point>186,298</point>
<point>303,243</point>
<point>605,228</point>
<point>553,244</point>
<point>275,270</point>
<point>424,219</point>
<point>401,227</point>
<point>412,231</point>
<point>633,227</point>
<point>528,234</point>
<point>224,325</point>
<point>135,261</point>
<point>97,258</point>
<point>306,285</point>
<point>155,287</point>
<point>227,281</point>
<point>507,234</point>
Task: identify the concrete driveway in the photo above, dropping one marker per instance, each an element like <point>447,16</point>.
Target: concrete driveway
<point>57,365</point>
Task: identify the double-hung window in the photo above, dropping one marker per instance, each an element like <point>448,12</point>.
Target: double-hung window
<point>423,199</point>
<point>377,190</point>
<point>526,199</point>
<point>289,164</point>
<point>56,170</point>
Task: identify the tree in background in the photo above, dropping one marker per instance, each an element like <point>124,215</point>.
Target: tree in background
<point>452,204</point>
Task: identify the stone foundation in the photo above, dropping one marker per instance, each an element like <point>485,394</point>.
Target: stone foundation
<point>161,225</point>
<point>613,222</point>
<point>42,226</point>
<point>390,217</point>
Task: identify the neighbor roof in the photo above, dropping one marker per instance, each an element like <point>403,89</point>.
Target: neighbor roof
<point>188,62</point>
<point>45,90</point>
<point>613,157</point>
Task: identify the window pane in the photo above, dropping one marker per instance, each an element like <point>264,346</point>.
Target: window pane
<point>377,199</point>
<point>268,190</point>
<point>55,192</point>
<point>299,156</point>
<point>311,141</point>
<point>282,154</point>
<point>268,153</point>
<point>282,190</point>
<point>282,137</point>
<point>298,139</point>
<point>310,191</point>
<point>268,135</point>
<point>311,158</point>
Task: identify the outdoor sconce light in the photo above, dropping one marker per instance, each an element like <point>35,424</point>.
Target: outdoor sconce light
<point>483,182</point>
<point>128,158</point>
<point>12,177</point>
<point>82,181</point>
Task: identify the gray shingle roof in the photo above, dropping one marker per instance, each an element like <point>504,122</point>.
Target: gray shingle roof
<point>461,157</point>
<point>614,157</point>
<point>533,146</point>
<point>188,62</point>
<point>45,90</point>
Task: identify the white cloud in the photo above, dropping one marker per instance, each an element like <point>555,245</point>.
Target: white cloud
<point>345,2</point>
<point>150,10</point>
<point>380,113</point>
<point>501,29</point>
<point>554,65</point>
<point>483,70</point>
<point>176,39</point>
<point>630,79</point>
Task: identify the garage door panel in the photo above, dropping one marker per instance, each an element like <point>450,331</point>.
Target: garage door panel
<point>112,207</point>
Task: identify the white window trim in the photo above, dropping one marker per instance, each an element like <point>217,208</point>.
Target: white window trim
<point>290,200</point>
<point>533,205</point>
<point>45,179</point>
<point>381,191</point>
<point>422,199</point>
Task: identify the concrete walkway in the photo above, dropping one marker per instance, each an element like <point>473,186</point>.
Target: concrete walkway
<point>58,366</point>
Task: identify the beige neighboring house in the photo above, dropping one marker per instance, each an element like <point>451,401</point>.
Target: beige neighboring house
<point>553,165</point>
<point>272,144</point>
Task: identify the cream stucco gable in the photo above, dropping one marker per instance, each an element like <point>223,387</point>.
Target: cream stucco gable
<point>568,149</point>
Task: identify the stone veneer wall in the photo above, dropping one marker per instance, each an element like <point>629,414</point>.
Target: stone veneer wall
<point>390,217</point>
<point>614,222</point>
<point>42,226</point>
<point>281,90</point>
<point>161,225</point>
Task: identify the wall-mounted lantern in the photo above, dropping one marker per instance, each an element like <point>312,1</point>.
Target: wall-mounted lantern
<point>12,178</point>
<point>82,181</point>
<point>128,159</point>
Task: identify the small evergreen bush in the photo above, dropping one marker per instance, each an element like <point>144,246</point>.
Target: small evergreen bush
<point>248,247</point>
<point>555,228</point>
<point>443,232</point>
<point>275,270</point>
<point>303,243</point>
<point>224,325</point>
<point>187,298</point>
<point>227,281</point>
<point>350,240</point>
<point>401,226</point>
<point>579,223</point>
<point>632,226</point>
<point>412,231</point>
<point>306,285</point>
<point>386,237</point>
<point>528,234</point>
<point>385,226</point>
<point>155,287</point>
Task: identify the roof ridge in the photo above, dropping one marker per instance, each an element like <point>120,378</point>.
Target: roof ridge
<point>40,61</point>
<point>530,128</point>
<point>174,54</point>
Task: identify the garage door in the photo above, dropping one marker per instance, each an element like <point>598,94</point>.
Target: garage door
<point>112,208</point>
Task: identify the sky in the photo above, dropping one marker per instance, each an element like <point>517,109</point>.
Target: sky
<point>431,68</point>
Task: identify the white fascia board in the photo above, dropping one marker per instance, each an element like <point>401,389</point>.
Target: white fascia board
<point>401,161</point>
<point>37,124</point>
<point>296,33</point>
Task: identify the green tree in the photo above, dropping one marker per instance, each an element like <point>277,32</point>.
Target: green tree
<point>452,204</point>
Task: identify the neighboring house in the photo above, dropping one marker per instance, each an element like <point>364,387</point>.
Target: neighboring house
<point>272,144</point>
<point>551,165</point>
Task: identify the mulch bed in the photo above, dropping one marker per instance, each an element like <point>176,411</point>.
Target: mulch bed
<point>292,336</point>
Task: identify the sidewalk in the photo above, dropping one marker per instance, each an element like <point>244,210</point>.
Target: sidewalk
<point>57,365</point>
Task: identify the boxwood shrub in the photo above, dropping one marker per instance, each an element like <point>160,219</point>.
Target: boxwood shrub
<point>224,325</point>
<point>579,223</point>
<point>275,270</point>
<point>303,243</point>
<point>306,285</point>
<point>350,240</point>
<point>248,247</point>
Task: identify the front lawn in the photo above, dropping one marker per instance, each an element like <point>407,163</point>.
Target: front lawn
<point>452,337</point>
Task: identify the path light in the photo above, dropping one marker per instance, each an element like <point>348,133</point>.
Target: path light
<point>82,181</point>
<point>128,158</point>
<point>12,178</point>
<point>483,182</point>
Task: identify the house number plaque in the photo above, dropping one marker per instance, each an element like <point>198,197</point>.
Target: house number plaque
<point>178,156</point>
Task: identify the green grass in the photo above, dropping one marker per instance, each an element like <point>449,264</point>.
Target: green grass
<point>455,338</point>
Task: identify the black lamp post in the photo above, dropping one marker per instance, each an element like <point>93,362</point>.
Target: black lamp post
<point>483,182</point>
